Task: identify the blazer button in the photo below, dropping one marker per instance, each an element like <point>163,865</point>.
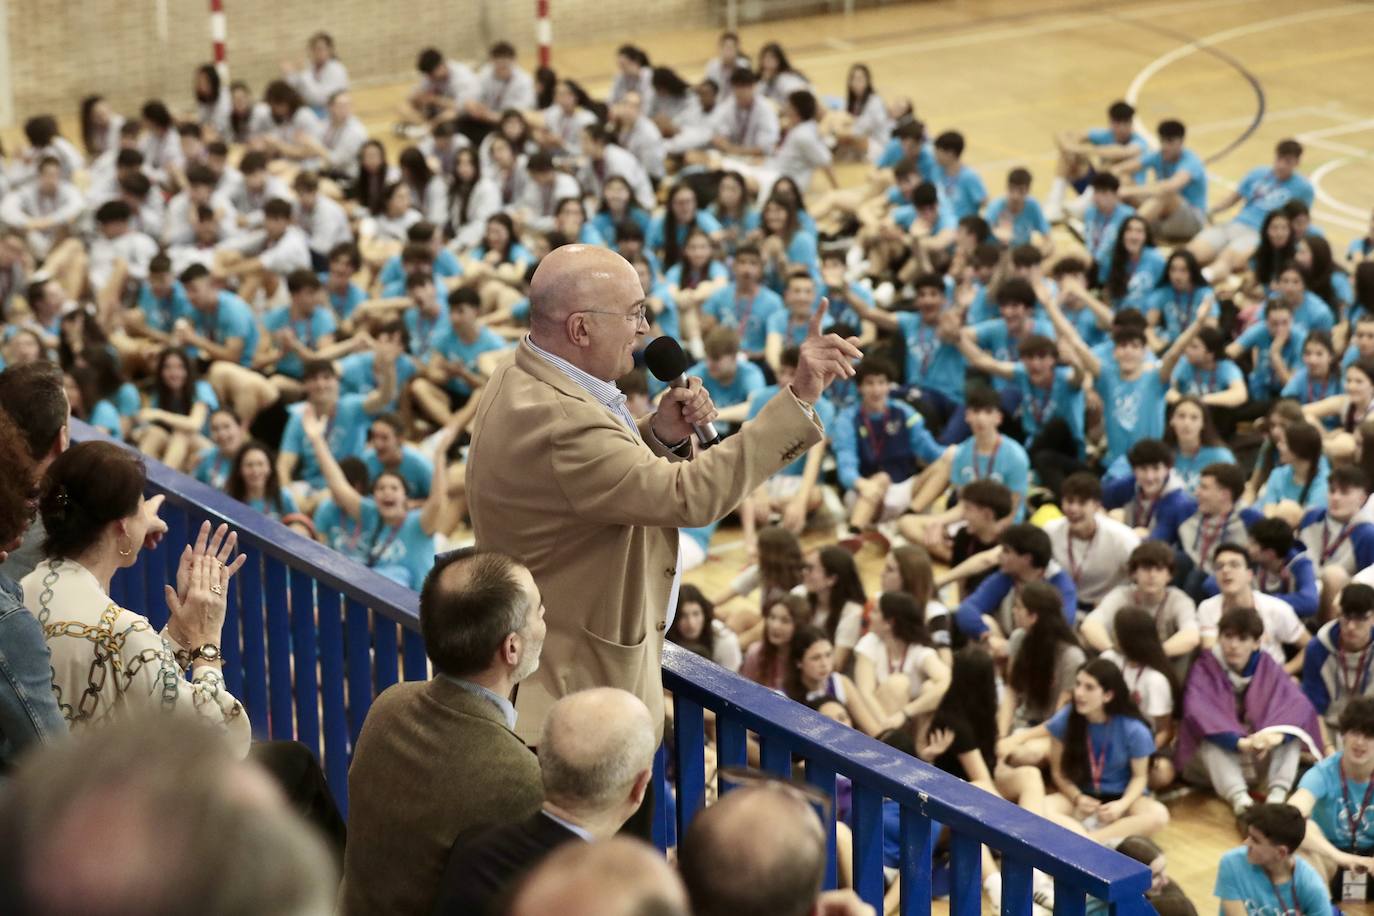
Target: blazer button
<point>662,625</point>
<point>670,572</point>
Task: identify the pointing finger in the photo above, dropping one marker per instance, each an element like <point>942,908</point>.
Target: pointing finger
<point>814,330</point>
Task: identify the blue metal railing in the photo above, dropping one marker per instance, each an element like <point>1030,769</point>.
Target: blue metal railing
<point>311,638</point>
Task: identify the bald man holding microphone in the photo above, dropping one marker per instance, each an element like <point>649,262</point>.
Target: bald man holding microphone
<point>589,498</point>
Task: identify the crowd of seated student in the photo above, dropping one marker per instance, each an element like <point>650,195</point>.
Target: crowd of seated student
<point>260,293</point>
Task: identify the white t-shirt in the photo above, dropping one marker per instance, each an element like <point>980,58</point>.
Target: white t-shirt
<point>1281,624</point>
<point>847,629</point>
<point>1097,565</point>
<point>874,649</point>
<point>1149,688</point>
<point>1176,613</point>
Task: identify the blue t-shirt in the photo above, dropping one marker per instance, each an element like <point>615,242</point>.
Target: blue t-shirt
<point>415,469</point>
<point>345,302</point>
<point>669,320</point>
<point>1103,136</point>
<point>1195,191</point>
<point>1120,739</point>
<point>1312,313</point>
<point>1263,193</point>
<point>404,554</point>
<point>1336,808</point>
<point>339,531</point>
<point>793,332</point>
<point>1176,309</point>
<point>1189,379</point>
<point>930,362</point>
<point>451,347</point>
<point>1134,409</point>
<point>308,331</point>
<point>284,506</point>
<point>1039,405</point>
<point>801,251</point>
<point>1100,231</point>
<point>1140,282</point>
<point>446,264</point>
<point>963,192</point>
<point>749,317</point>
<point>1283,485</point>
<point>422,328</point>
<point>231,318</point>
<point>1009,465</point>
<point>1237,879</point>
<point>905,215</point>
<point>995,339</point>
<point>213,468</point>
<point>204,394</point>
<point>357,375</point>
<point>604,223</point>
<point>1263,384</point>
<point>748,379</point>
<point>825,412</point>
<point>346,435</point>
<point>1306,390</point>
<point>104,415</point>
<point>1025,224</point>
<point>656,237</point>
<point>159,314</point>
<point>714,271</point>
<point>1189,467</point>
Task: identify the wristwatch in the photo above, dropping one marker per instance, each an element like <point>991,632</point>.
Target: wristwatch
<point>209,652</point>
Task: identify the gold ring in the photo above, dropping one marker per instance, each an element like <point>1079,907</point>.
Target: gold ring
<point>216,590</point>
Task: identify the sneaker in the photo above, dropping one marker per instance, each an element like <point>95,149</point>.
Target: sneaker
<point>1042,890</point>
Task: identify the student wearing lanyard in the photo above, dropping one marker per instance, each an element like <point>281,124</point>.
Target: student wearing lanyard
<point>1338,538</point>
<point>1263,876</point>
<point>227,434</point>
<point>1217,521</point>
<point>878,444</point>
<point>1099,760</point>
<point>1152,498</point>
<point>986,455</point>
<point>1280,626</point>
<point>1151,568</point>
<point>1336,796</point>
<point>1282,567</point>
<point>1092,547</point>
<point>1351,409</point>
<point>397,541</point>
<point>302,331</point>
<point>745,304</point>
<point>1336,665</point>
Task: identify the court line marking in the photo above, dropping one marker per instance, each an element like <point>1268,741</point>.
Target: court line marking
<point>1319,175</point>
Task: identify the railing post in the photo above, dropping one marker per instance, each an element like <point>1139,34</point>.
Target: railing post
<point>965,872</point>
<point>868,845</point>
<point>1017,887</point>
<point>918,845</point>
<point>282,725</point>
<point>823,778</point>
<point>254,641</point>
<point>689,734</point>
<point>332,696</point>
<point>662,794</point>
<point>306,682</point>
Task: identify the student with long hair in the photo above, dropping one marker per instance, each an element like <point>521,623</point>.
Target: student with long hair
<point>780,567</point>
<point>1099,759</point>
<point>1134,268</point>
<point>837,598</point>
<point>667,234</point>
<point>178,411</point>
<point>1279,414</point>
<point>1276,248</point>
<point>618,206</point>
<point>1299,481</point>
<point>1319,377</point>
<point>1180,292</point>
<point>253,482</point>
<point>1043,654</point>
<point>909,569</point>
<point>695,627</point>
<point>769,660</point>
<point>784,244</point>
<point>472,199</point>
<point>896,665</point>
<point>733,210</point>
<point>813,676</point>
<point>1350,408</point>
<point>1194,439</point>
<point>371,179</point>
<point>1151,568</point>
<point>1150,677</point>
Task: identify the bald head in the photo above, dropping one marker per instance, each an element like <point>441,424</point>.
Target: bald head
<point>594,746</point>
<point>757,852</point>
<point>615,877</point>
<point>574,277</point>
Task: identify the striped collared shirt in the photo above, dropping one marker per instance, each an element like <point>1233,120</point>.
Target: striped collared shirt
<point>605,393</point>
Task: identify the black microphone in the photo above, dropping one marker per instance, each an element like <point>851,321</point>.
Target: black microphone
<point>665,359</point>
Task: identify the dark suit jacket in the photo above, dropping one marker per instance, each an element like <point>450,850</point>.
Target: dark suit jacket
<point>433,761</point>
<point>484,863</point>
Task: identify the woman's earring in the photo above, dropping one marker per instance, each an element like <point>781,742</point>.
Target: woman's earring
<point>126,551</point>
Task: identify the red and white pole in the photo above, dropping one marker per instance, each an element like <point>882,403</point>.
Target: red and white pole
<point>543,31</point>
<point>218,31</point>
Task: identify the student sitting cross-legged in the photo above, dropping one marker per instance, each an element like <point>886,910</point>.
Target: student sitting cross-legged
<point>1263,876</point>
<point>1335,796</point>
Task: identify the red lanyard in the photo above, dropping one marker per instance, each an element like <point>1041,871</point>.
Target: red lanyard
<point>1076,569</point>
<point>1283,904</point>
<point>1312,389</point>
<point>1148,506</point>
<point>1354,820</point>
<point>992,459</point>
<point>1284,580</point>
<point>1095,763</point>
<point>375,552</point>
<point>1354,686</point>
<point>744,313</point>
<point>877,436</point>
<point>1038,409</point>
<point>1203,542</point>
<point>1134,686</point>
<point>1340,539</point>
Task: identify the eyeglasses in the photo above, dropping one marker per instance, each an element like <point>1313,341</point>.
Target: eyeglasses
<point>639,315</point>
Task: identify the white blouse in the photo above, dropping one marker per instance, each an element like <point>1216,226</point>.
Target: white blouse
<point>109,664</point>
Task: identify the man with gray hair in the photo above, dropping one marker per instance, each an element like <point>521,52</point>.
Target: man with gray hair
<point>440,757</point>
<point>596,757</point>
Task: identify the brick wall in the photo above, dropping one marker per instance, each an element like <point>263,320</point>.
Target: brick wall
<point>64,49</point>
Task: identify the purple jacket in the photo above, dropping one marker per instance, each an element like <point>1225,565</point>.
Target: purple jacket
<point>1209,704</point>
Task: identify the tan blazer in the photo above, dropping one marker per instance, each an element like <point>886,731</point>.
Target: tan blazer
<point>433,760</point>
<point>559,482</point>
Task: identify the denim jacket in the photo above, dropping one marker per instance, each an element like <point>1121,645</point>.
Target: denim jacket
<point>28,707</point>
